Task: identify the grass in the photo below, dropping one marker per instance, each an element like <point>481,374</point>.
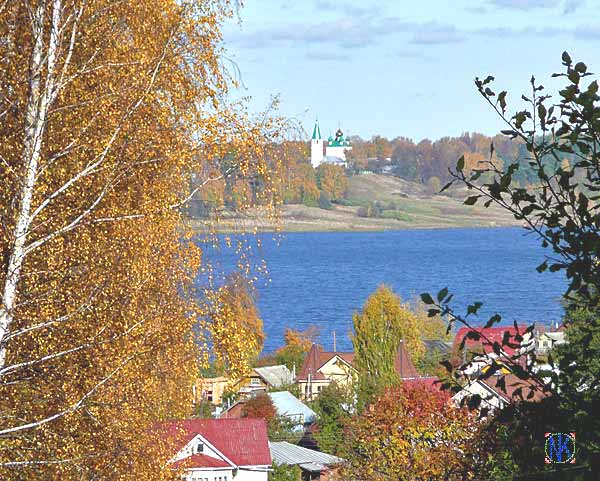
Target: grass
<point>414,207</point>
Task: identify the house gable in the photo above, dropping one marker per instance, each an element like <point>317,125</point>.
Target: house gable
<point>199,445</point>
<point>337,367</point>
<point>489,397</point>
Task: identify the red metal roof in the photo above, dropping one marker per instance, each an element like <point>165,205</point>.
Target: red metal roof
<point>201,461</point>
<point>493,334</point>
<point>243,441</point>
<point>316,359</point>
<point>428,381</point>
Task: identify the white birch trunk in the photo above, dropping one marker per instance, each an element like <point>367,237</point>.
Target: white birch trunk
<point>35,123</point>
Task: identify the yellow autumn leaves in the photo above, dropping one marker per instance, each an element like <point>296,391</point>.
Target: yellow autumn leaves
<point>107,109</point>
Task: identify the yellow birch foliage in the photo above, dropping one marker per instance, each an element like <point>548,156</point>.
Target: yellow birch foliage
<point>235,327</point>
<point>100,344</point>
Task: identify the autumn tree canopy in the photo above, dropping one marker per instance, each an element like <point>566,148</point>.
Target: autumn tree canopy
<point>293,352</point>
<point>332,180</point>
<point>378,329</point>
<point>106,108</point>
<point>234,325</point>
<point>410,433</point>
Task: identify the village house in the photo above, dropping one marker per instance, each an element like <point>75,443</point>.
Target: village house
<point>546,340</point>
<point>493,397</point>
<point>220,449</point>
<point>210,390</point>
<point>476,355</point>
<point>320,369</point>
<point>286,404</point>
<point>314,465</point>
<point>261,379</point>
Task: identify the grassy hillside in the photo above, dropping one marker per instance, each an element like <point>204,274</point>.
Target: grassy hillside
<point>406,205</point>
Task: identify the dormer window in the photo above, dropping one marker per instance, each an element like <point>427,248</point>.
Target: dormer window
<point>200,448</point>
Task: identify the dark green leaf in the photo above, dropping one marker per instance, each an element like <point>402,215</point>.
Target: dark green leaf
<point>426,298</point>
<point>473,308</point>
<point>496,318</point>
<point>442,294</point>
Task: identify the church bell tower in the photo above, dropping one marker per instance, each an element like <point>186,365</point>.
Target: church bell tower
<point>316,146</point>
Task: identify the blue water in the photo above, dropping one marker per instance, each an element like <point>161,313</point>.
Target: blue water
<point>322,278</point>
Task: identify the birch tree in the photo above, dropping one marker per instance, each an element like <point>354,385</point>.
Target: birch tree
<point>105,106</point>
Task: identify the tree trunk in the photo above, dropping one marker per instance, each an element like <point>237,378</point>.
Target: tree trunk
<point>36,111</point>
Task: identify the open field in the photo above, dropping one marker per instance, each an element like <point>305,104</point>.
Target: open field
<point>412,207</point>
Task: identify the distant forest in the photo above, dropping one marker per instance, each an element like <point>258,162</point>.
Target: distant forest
<point>426,162</point>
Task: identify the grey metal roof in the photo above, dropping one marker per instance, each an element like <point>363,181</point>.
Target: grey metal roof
<point>289,405</point>
<point>437,345</point>
<point>313,467</point>
<point>276,376</point>
<point>283,452</point>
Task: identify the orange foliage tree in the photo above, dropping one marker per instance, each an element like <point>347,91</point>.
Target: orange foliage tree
<point>293,352</point>
<point>332,180</point>
<point>106,108</point>
<point>260,406</point>
<point>410,433</point>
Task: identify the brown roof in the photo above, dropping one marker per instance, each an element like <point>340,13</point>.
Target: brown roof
<point>512,383</point>
<point>235,411</point>
<point>403,363</point>
<point>316,359</point>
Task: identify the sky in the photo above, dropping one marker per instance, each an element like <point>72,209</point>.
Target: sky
<point>400,67</point>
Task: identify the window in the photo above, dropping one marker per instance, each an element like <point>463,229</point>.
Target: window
<point>200,448</point>
<point>254,381</point>
<point>319,389</point>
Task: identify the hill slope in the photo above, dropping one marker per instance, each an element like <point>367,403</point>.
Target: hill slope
<point>406,205</point>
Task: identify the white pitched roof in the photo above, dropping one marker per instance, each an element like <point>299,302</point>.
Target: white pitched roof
<point>276,376</point>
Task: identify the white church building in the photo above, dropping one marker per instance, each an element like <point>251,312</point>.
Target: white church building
<point>332,151</point>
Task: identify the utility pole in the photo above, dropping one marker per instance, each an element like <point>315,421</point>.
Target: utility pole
<point>334,343</point>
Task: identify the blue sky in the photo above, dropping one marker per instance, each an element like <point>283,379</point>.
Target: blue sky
<point>403,68</point>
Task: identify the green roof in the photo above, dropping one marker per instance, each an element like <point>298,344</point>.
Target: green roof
<point>316,131</point>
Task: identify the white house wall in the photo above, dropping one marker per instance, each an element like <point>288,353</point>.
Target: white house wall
<point>209,475</point>
<point>490,399</point>
<point>252,475</point>
<point>226,474</point>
